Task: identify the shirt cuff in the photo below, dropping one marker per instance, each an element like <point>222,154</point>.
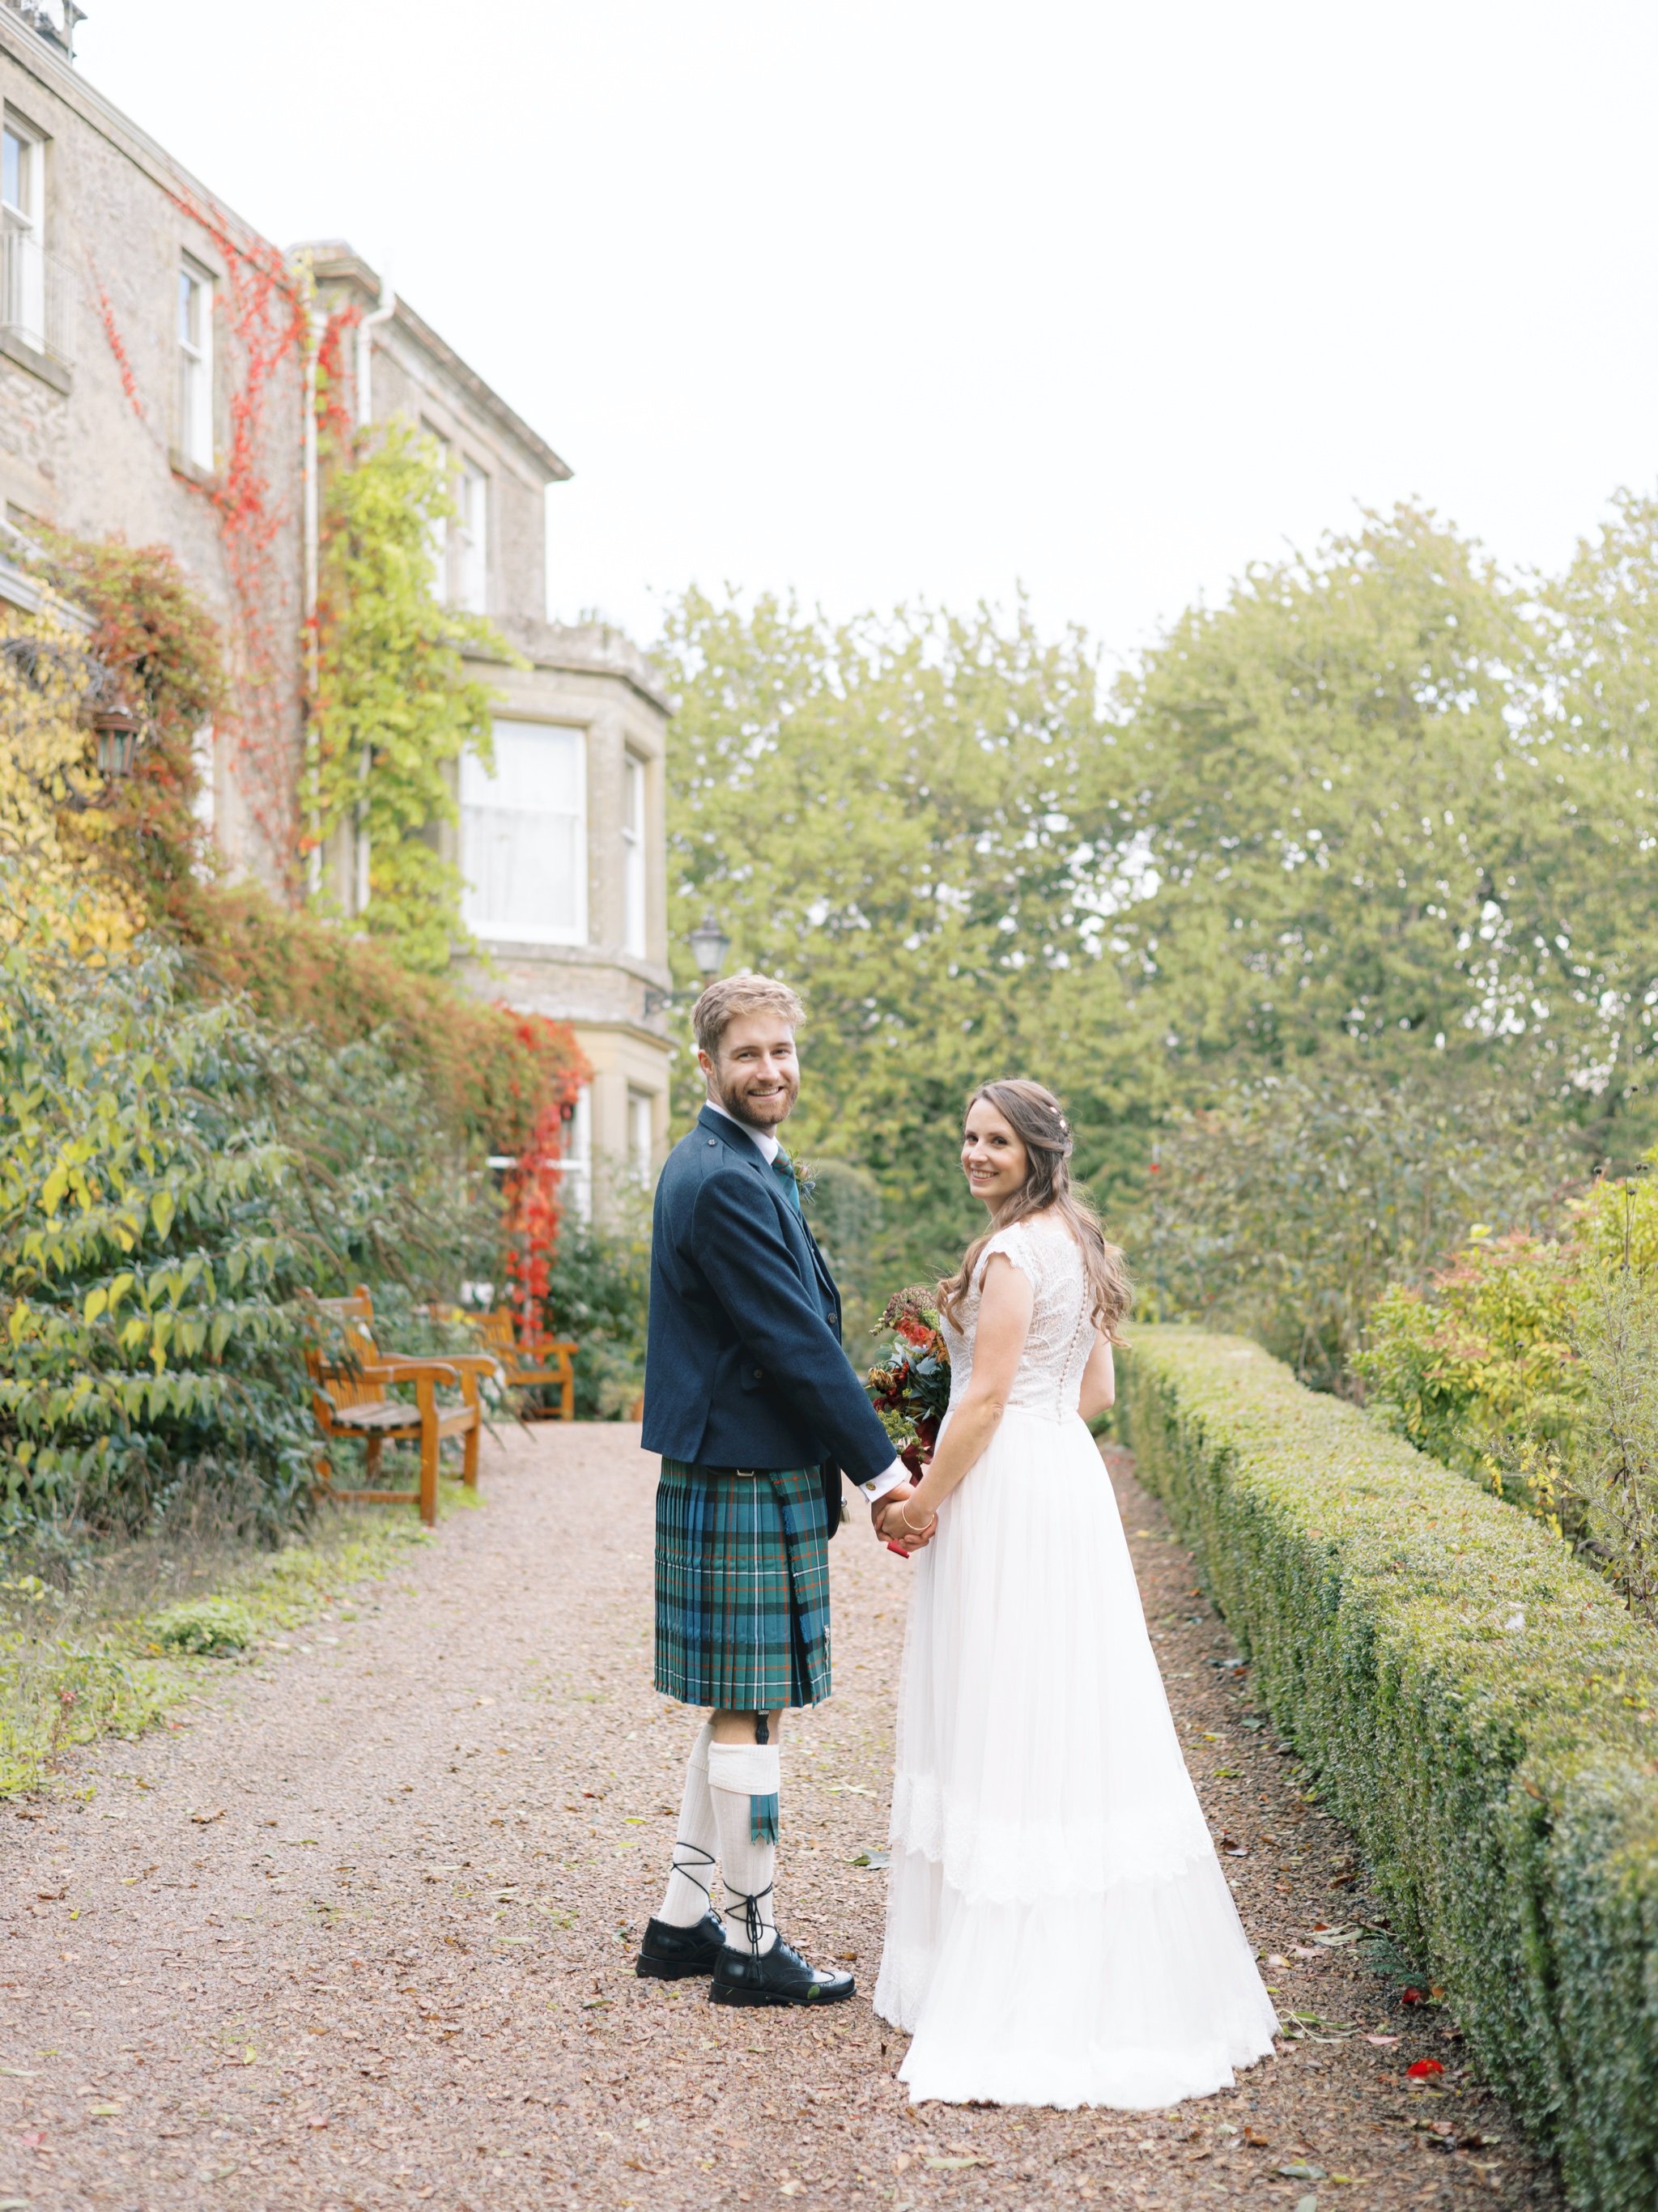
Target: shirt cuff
<point>877,1489</point>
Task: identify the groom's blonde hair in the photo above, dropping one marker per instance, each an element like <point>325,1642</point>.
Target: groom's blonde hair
<point>722,1003</point>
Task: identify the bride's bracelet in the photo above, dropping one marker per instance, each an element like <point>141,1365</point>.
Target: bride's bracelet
<point>904,1514</point>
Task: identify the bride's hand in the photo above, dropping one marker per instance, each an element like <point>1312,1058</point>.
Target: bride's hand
<point>897,1525</point>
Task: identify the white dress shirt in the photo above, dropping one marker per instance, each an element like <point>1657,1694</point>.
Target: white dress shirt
<point>768,1148</point>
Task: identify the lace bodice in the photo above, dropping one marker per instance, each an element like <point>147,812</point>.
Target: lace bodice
<point>1050,1377</point>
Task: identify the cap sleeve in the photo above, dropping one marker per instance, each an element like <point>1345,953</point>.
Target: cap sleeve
<point>1013,1244</point>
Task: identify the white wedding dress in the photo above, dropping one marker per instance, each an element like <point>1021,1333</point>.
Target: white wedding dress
<point>1058,1929</point>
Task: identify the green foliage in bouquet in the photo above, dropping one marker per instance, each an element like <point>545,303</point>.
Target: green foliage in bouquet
<point>910,1388</point>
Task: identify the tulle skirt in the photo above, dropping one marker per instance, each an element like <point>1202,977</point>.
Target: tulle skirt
<point>1058,1929</point>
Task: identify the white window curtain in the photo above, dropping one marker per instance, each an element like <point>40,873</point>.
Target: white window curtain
<point>524,836</point>
<point>632,857</point>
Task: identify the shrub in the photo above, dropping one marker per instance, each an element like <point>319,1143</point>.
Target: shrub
<point>1478,1368</point>
<point>1523,1364</point>
<point>598,1293</point>
<point>212,1627</point>
<point>173,1178</point>
<point>1474,1704</point>
<point>147,1281</point>
<point>489,1071</point>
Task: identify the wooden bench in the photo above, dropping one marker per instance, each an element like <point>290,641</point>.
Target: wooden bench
<point>544,1364</point>
<point>351,1397</point>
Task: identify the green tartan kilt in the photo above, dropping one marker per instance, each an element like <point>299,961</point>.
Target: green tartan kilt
<point>742,1588</point>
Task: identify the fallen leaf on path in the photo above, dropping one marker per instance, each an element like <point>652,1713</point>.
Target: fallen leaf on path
<point>206,1819</point>
<point>1382,2042</point>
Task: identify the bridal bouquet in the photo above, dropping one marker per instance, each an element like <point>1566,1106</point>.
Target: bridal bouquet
<point>910,1388</point>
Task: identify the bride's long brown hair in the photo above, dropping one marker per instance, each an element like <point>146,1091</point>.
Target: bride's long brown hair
<point>1036,1118</point>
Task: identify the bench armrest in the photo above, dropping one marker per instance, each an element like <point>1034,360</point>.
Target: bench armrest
<point>398,1370</point>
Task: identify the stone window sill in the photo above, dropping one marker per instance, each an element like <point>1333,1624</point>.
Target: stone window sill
<point>37,363</point>
<point>192,471</point>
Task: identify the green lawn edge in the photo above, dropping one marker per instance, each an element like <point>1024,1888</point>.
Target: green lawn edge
<point>1478,1706</point>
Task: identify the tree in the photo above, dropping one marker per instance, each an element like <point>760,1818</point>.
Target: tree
<point>887,815</point>
<point>1358,821</point>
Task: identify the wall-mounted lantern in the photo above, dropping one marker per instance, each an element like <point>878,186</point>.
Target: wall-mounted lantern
<point>117,737</point>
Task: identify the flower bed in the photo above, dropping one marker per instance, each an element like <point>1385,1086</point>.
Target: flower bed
<point>1477,1707</point>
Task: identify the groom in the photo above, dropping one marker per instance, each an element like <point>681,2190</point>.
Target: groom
<point>755,1409</point>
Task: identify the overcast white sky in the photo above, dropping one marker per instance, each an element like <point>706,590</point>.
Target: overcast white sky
<point>931,296</point>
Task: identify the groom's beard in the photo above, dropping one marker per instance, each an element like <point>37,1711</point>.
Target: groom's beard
<point>778,1104</point>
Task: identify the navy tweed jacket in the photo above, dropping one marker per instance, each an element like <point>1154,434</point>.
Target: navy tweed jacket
<point>743,1364</point>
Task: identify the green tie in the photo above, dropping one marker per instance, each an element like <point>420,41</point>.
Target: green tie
<point>783,1169</point>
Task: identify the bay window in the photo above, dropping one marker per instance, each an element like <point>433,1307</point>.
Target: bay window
<point>524,836</point>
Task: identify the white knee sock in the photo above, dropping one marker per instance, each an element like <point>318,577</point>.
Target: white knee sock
<point>696,1844</point>
<point>743,1782</point>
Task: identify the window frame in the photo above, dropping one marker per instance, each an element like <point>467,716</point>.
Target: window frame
<point>469,536</point>
<point>636,874</point>
<point>496,930</point>
<point>23,291</point>
<point>641,1122</point>
<point>442,535</point>
<point>196,414</point>
<point>32,145</point>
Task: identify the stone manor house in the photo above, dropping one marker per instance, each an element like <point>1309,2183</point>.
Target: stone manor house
<point>141,328</point>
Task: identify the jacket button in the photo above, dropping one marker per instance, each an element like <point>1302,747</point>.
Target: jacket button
<point>759,1373</point>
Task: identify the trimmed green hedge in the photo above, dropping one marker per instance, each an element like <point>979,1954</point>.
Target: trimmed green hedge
<point>1477,1707</point>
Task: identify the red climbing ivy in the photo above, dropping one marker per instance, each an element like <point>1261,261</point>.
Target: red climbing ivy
<point>262,326</point>
<point>532,1193</point>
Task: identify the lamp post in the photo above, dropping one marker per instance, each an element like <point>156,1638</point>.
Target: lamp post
<point>709,945</point>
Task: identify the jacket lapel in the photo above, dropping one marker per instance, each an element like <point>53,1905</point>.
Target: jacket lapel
<point>801,1240</point>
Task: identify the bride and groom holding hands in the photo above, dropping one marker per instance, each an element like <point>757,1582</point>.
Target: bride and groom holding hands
<point>1058,1930</point>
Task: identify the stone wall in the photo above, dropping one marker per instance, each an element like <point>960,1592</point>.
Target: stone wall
<point>93,448</point>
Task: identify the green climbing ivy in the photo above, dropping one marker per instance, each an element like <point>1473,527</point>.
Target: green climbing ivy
<point>394,706</point>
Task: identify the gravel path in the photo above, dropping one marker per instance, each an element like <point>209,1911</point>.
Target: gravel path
<point>360,1932</point>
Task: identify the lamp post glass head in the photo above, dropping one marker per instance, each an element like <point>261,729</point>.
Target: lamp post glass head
<point>709,946</point>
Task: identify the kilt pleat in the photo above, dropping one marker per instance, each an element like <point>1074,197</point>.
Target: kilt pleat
<point>742,1588</point>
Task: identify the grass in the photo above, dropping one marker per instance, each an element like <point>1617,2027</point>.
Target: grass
<point>107,1637</point>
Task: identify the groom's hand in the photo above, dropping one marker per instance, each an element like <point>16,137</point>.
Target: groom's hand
<point>892,1527</point>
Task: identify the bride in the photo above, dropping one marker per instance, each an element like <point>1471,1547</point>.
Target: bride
<point>1058,1930</point>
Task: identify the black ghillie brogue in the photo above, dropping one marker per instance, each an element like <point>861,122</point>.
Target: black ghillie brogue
<point>672,1954</point>
<point>778,1977</point>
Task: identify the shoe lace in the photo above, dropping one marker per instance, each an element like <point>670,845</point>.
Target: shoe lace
<point>705,1858</point>
<point>753,1923</point>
